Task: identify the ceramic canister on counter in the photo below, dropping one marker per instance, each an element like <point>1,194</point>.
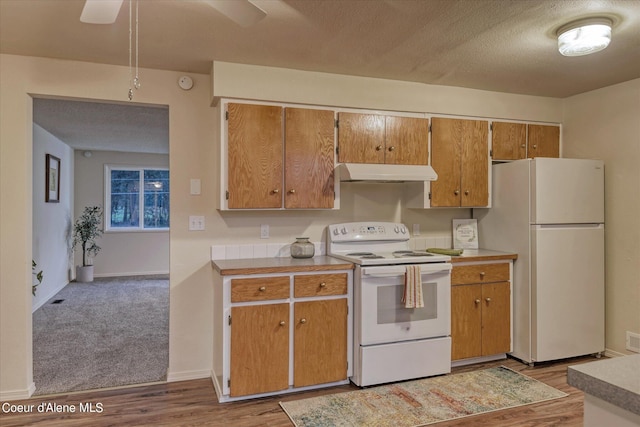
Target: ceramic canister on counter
<point>302,248</point>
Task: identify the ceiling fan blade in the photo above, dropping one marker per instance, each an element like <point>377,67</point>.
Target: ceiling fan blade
<point>242,12</point>
<point>100,11</point>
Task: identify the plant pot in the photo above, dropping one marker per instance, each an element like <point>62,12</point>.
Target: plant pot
<point>84,274</point>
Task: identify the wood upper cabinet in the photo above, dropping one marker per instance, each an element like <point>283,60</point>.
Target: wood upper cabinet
<point>320,342</point>
<point>509,140</point>
<point>513,141</point>
<point>480,310</point>
<point>267,144</point>
<point>259,360</point>
<point>377,139</point>
<point>544,141</point>
<point>309,160</point>
<point>460,157</point>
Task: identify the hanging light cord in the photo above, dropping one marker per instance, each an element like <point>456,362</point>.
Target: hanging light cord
<point>134,81</point>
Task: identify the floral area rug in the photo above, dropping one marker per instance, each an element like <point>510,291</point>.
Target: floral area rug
<point>422,402</point>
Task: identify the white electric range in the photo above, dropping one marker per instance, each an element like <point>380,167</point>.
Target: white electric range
<point>391,342</point>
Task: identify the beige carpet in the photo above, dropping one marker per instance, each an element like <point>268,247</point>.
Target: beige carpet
<point>107,333</point>
<point>422,402</point>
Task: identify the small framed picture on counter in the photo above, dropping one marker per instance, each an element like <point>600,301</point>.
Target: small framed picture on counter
<point>465,234</point>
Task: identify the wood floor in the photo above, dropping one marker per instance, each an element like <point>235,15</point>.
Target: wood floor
<point>193,403</point>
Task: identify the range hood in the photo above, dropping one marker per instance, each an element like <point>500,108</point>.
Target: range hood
<point>385,173</point>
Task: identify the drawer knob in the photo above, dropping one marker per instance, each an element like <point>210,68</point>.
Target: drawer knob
<point>378,147</point>
<point>276,191</point>
<point>392,148</point>
<point>282,323</point>
<point>303,320</point>
<point>323,285</point>
<point>477,301</point>
<point>466,192</point>
<point>456,192</point>
<point>262,289</point>
<point>482,274</point>
<point>292,191</point>
<point>487,300</point>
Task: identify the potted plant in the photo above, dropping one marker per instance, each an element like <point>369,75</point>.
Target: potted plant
<point>85,232</point>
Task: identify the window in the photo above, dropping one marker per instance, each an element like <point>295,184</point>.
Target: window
<point>137,198</point>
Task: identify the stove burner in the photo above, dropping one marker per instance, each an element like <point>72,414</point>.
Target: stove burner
<point>371,256</point>
<point>401,254</point>
<point>360,253</point>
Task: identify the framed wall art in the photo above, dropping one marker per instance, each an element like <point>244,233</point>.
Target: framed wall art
<point>52,179</point>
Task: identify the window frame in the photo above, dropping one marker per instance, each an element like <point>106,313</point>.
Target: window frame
<point>107,199</point>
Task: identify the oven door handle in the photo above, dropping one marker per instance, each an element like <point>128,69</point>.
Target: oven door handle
<point>400,270</point>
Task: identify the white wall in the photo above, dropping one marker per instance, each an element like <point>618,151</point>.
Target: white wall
<point>51,221</point>
<point>122,253</point>
<point>605,124</point>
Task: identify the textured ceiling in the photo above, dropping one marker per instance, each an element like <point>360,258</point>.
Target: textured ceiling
<point>498,45</point>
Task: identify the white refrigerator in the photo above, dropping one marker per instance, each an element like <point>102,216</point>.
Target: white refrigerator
<point>551,213</point>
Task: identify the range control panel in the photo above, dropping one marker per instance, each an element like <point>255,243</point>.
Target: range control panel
<point>359,231</point>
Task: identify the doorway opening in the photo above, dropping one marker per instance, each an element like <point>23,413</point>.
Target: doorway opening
<point>117,320</point>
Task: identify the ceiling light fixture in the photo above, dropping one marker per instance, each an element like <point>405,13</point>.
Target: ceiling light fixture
<point>584,36</point>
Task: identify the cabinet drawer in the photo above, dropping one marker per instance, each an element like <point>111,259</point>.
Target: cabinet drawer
<point>259,289</point>
<point>481,273</point>
<point>320,285</point>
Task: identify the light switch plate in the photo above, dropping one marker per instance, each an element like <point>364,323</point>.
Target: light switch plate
<point>196,223</point>
<point>195,186</point>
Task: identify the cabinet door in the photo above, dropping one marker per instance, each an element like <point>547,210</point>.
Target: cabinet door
<point>259,349</point>
<point>509,141</point>
<point>496,318</point>
<point>466,318</point>
<point>361,138</point>
<point>544,141</point>
<point>320,342</point>
<point>309,160</point>
<point>446,158</point>
<point>254,156</point>
<point>406,141</point>
<point>474,176</point>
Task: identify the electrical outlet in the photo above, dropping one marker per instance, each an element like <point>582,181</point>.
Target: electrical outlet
<point>264,231</point>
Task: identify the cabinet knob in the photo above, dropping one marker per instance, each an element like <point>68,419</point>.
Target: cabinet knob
<point>456,192</point>
<point>282,323</point>
<point>276,191</point>
<point>323,285</point>
<point>487,299</point>
<point>262,288</point>
<point>535,146</point>
<point>523,145</point>
<point>378,147</point>
<point>466,192</point>
<point>477,301</point>
<point>392,148</point>
<point>303,320</point>
<point>482,274</point>
<point>292,191</point>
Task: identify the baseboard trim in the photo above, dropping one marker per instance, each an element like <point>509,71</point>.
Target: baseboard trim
<point>6,396</point>
<point>187,375</point>
<point>133,275</point>
<point>611,353</point>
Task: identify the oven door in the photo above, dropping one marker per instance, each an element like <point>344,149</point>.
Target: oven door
<point>383,317</point>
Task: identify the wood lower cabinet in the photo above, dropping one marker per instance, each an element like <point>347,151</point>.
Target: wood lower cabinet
<point>259,349</point>
<point>480,310</point>
<point>278,325</point>
<point>320,337</point>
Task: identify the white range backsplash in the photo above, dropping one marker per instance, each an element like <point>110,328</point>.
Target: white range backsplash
<point>274,250</point>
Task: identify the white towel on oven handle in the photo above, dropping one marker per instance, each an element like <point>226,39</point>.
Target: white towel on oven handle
<point>412,296</point>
